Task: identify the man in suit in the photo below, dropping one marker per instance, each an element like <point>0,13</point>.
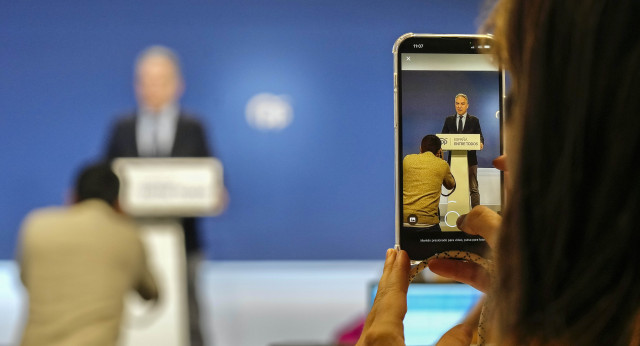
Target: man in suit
<point>463,122</point>
<point>79,263</point>
<point>160,128</point>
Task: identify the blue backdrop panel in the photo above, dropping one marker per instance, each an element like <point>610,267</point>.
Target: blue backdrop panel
<point>321,188</point>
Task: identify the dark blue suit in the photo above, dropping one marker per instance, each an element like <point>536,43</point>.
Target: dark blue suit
<point>471,126</point>
<point>189,141</point>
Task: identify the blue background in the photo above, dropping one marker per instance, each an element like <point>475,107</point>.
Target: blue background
<point>321,188</point>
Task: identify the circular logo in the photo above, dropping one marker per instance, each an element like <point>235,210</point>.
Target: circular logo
<point>269,112</point>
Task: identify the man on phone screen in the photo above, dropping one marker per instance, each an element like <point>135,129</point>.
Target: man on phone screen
<point>463,122</point>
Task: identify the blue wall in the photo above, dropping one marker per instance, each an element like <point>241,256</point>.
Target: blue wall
<point>321,188</point>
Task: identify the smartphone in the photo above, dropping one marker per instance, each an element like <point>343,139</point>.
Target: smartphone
<point>448,86</point>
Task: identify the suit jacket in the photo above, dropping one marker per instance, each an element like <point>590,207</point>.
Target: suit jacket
<point>78,264</point>
<point>472,126</point>
<point>189,141</point>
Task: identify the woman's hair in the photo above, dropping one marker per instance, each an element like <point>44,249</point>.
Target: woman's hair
<point>569,252</point>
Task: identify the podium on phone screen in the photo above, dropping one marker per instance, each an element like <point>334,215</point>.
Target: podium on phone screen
<point>458,203</point>
<point>158,192</point>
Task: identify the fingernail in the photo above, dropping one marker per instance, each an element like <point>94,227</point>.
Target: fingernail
<point>389,251</point>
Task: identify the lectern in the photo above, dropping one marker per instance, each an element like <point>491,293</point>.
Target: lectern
<point>157,192</point>
<point>458,202</point>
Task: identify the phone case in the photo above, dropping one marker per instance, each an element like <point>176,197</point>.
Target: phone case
<point>397,139</point>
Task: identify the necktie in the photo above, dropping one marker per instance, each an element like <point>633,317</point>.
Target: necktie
<point>460,124</point>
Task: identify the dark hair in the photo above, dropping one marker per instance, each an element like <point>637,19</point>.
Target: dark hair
<point>97,181</point>
<point>430,143</point>
<point>568,257</point>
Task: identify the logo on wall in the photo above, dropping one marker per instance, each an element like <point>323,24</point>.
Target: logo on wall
<point>268,112</point>
<point>443,140</point>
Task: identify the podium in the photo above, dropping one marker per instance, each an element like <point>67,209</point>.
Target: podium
<point>458,202</point>
<point>158,192</point>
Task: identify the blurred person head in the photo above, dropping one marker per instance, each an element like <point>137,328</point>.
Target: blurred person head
<point>462,104</point>
<point>568,260</point>
<point>430,143</point>
<point>158,80</point>
<point>97,181</point>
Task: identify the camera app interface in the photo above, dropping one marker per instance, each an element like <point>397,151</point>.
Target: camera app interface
<point>449,135</point>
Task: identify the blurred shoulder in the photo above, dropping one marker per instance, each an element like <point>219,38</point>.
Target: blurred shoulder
<point>190,118</point>
<point>411,157</point>
<point>125,119</point>
<point>44,215</point>
<point>115,223</point>
<point>40,221</point>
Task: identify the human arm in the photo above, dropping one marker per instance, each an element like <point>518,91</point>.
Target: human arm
<point>23,252</point>
<point>22,257</point>
<point>191,138</point>
<point>112,151</point>
<point>383,325</point>
<point>449,182</point>
<point>445,126</point>
<point>121,140</point>
<point>479,131</point>
<point>202,144</point>
<point>480,221</point>
<point>147,288</point>
<point>145,283</point>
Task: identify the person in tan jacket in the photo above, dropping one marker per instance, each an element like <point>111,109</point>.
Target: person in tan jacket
<point>422,181</point>
<point>78,263</point>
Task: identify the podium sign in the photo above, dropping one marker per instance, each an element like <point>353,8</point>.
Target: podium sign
<point>458,202</point>
<point>459,141</point>
<point>167,187</point>
<point>160,191</point>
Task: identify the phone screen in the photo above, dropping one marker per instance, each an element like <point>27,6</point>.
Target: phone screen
<point>450,87</point>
